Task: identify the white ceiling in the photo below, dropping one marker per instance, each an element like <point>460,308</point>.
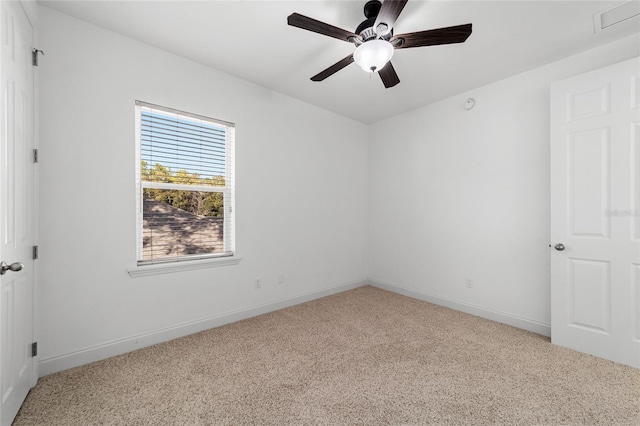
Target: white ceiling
<point>251,40</point>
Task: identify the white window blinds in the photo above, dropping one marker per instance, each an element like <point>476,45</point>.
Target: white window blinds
<point>185,185</point>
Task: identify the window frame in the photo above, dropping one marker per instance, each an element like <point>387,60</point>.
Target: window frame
<point>195,261</point>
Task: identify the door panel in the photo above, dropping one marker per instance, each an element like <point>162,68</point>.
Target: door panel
<point>590,295</point>
<point>636,302</point>
<point>634,151</point>
<point>16,208</point>
<point>589,178</point>
<point>589,103</point>
<point>595,202</point>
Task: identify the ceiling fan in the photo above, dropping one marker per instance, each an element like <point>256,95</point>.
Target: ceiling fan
<point>375,41</point>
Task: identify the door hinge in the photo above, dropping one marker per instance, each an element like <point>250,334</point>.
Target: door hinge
<point>35,155</point>
<point>35,252</point>
<point>34,349</point>
<point>34,56</point>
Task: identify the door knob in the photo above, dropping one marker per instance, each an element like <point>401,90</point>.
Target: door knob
<point>14,267</point>
<point>559,247</point>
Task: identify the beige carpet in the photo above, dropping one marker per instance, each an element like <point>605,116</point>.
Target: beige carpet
<point>362,357</point>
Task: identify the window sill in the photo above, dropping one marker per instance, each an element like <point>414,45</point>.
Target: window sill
<point>168,268</point>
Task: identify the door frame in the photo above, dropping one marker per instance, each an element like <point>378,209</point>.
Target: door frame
<point>30,8</point>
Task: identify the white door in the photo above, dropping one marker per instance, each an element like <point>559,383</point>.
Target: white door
<point>16,209</point>
<point>595,213</point>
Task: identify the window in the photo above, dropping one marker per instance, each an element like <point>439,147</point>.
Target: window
<point>185,185</point>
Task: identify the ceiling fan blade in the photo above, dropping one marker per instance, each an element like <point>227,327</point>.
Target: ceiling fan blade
<point>310,24</point>
<point>389,12</point>
<point>389,76</point>
<point>333,68</point>
<point>448,35</point>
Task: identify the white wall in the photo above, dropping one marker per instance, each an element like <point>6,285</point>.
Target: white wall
<point>301,197</point>
<point>458,194</point>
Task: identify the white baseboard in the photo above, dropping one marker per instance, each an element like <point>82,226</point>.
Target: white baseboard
<point>118,347</point>
<point>519,322</point>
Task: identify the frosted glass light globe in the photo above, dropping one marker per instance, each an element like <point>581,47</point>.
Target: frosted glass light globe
<point>373,55</point>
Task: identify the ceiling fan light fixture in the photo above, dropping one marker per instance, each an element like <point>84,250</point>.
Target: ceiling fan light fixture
<point>373,55</point>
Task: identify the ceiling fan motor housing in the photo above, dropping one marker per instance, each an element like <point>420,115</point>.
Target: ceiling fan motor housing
<point>367,32</point>
<point>365,29</point>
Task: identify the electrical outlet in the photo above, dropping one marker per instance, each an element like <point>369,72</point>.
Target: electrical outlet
<point>469,283</point>
<point>258,283</point>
